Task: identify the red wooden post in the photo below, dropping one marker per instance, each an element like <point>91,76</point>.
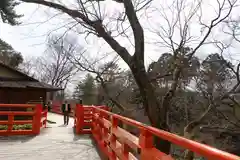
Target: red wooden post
<point>96,125</point>
<point>146,142</point>
<point>125,150</point>
<point>37,119</point>
<point>113,139</point>
<point>105,136</point>
<point>145,139</point>
<point>79,118</point>
<point>93,120</point>
<point>77,108</point>
<point>100,126</point>
<point>10,120</point>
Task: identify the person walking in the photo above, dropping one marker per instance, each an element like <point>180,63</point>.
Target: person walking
<point>49,105</point>
<point>66,109</point>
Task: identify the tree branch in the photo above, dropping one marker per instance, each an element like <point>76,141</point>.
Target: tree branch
<point>97,25</point>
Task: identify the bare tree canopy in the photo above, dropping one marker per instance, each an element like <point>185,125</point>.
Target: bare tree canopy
<point>54,66</point>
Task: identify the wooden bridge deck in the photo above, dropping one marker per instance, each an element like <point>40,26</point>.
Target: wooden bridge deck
<point>56,142</point>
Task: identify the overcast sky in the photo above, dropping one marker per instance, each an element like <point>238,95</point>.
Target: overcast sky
<point>30,37</point>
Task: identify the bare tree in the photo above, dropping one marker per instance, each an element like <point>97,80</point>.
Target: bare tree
<point>104,73</point>
<point>54,67</point>
<point>28,66</point>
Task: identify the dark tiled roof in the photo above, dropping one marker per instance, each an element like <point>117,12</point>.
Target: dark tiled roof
<point>17,72</point>
<point>24,82</point>
<point>27,84</point>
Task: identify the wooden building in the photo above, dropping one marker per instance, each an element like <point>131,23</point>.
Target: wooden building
<point>17,87</point>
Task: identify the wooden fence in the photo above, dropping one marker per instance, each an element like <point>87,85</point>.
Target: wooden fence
<point>31,114</point>
<point>83,118</point>
<point>56,107</point>
<point>117,143</point>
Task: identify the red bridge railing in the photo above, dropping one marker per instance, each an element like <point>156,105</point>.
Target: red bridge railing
<point>117,143</point>
<point>56,108</point>
<point>37,118</point>
<point>83,118</point>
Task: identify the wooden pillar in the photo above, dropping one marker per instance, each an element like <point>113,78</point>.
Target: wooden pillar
<point>79,118</point>
<point>146,142</point>
<point>113,138</point>
<point>93,126</point>
<point>36,126</point>
<point>10,120</point>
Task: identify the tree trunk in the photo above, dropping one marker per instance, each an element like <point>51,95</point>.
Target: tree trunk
<point>152,105</point>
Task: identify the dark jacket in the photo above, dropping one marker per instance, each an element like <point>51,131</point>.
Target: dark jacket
<point>63,108</point>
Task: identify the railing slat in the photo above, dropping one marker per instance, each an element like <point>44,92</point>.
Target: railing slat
<point>126,137</point>
<point>17,105</point>
<point>15,132</point>
<point>16,122</point>
<point>17,113</point>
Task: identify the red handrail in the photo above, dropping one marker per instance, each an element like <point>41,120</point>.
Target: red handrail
<point>56,108</point>
<point>116,142</point>
<point>36,121</point>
